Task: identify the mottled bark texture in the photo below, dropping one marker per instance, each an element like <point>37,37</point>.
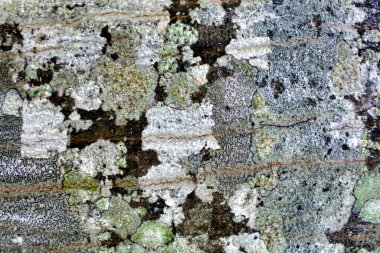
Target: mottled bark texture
<point>189,126</point>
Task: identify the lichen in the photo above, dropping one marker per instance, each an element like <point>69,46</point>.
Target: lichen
<point>121,218</point>
<point>79,187</point>
<point>368,187</point>
<point>103,156</point>
<point>371,211</point>
<point>153,234</point>
<point>11,104</point>
<point>347,74</point>
<point>42,132</point>
<point>263,144</point>
<point>127,89</point>
<point>243,203</point>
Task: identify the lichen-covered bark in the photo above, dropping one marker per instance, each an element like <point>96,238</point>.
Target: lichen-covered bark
<point>189,126</point>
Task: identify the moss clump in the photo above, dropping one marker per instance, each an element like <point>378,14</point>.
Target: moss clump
<point>121,217</point>
<point>153,234</point>
<point>368,187</point>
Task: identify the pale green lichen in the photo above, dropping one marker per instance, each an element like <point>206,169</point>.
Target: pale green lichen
<point>121,217</point>
<point>153,234</point>
<point>103,204</point>
<point>104,236</point>
<point>79,187</point>
<point>368,187</point>
<point>40,91</point>
<point>179,88</point>
<point>265,182</point>
<point>177,35</point>
<point>263,144</point>
<point>346,75</point>
<point>371,211</point>
<point>127,89</point>
<point>141,211</point>
<point>270,225</point>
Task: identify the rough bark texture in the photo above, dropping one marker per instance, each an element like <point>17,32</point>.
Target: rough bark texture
<point>189,126</point>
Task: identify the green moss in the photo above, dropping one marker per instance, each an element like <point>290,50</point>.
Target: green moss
<point>121,217</point>
<point>368,187</point>
<point>153,234</point>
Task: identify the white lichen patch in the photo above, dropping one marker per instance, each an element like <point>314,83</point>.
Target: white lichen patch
<point>11,104</point>
<point>102,156</point>
<point>206,186</point>
<point>162,180</point>
<point>249,243</point>
<point>87,97</point>
<point>172,215</point>
<point>243,203</point>
<point>42,132</point>
<point>175,134</point>
<point>75,123</point>
<point>254,49</point>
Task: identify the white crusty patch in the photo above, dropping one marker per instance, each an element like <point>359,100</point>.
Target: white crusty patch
<point>250,243</point>
<point>87,97</point>
<point>243,203</point>
<point>254,49</point>
<point>100,156</point>
<point>42,132</point>
<point>176,134</point>
<point>11,104</point>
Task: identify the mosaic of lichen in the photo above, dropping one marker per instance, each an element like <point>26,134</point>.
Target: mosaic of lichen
<point>189,126</point>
